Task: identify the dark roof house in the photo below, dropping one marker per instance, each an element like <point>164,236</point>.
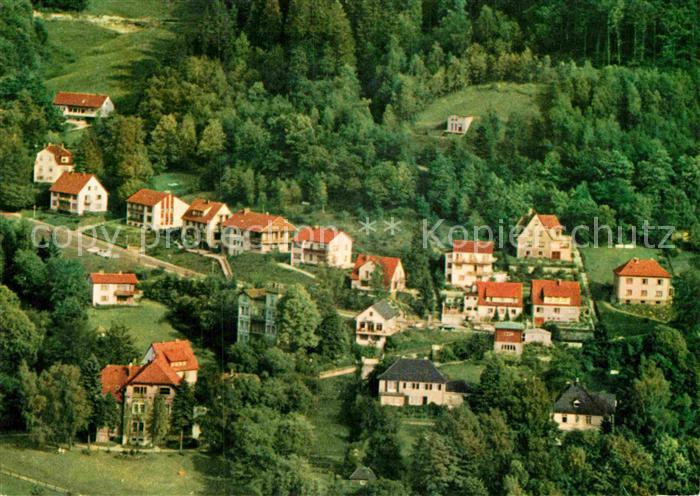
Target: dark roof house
<point>413,370</point>
<point>577,400</point>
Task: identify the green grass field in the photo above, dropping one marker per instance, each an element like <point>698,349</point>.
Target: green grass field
<point>620,323</point>
<point>420,340</point>
<point>179,183</point>
<point>260,269</point>
<point>503,98</point>
<point>466,370</point>
<point>331,434</point>
<point>156,9</point>
<point>64,220</point>
<point>111,474</point>
<point>11,486</point>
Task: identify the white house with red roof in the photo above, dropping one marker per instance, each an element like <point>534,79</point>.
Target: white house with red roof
<point>487,301</point>
<point>543,236</point>
<point>113,288</point>
<point>155,210</point>
<point>135,387</point>
<point>555,301</point>
<point>83,105</point>
<point>51,162</point>
<point>204,220</point>
<point>321,245</point>
<point>246,231</point>
<point>469,262</point>
<point>642,282</point>
<point>78,193</point>
<point>393,275</point>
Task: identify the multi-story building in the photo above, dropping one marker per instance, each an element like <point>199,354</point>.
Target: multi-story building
<point>204,221</point>
<point>260,233</point>
<point>83,105</point>
<point>543,236</point>
<point>393,275</point>
<point>78,193</point>
<point>257,314</point>
<point>578,409</point>
<point>51,162</point>
<point>642,282</point>
<point>487,301</point>
<point>319,245</point>
<point>376,323</point>
<point>555,301</point>
<point>155,210</point>
<point>469,262</point>
<point>418,382</point>
<point>113,289</point>
<point>136,387</point>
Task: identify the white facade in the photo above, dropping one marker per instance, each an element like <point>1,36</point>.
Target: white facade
<point>47,169</point>
<point>92,198</point>
<point>336,253</point>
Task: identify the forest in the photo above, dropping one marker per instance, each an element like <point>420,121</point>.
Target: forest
<point>272,103</point>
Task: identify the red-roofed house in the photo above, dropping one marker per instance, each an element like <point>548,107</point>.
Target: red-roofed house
<point>642,282</point>
<point>487,301</point>
<point>155,210</point>
<point>509,337</point>
<point>82,105</point>
<point>78,193</point>
<point>469,262</point>
<point>321,245</point>
<point>135,387</point>
<point>113,289</point>
<point>555,301</point>
<point>253,231</point>
<point>51,162</point>
<point>392,270</point>
<point>543,236</point>
<point>204,220</point>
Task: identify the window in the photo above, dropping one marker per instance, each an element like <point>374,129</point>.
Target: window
<point>137,426</point>
<point>628,280</point>
<point>645,281</point>
<point>139,389</point>
<point>103,298</point>
<point>539,309</point>
<point>557,310</point>
<point>429,387</point>
<point>104,287</point>
<point>564,419</point>
<point>439,387</point>
<point>414,385</point>
<point>164,390</point>
<point>659,294</point>
<point>138,408</point>
<point>589,419</point>
<point>645,292</point>
<point>629,292</point>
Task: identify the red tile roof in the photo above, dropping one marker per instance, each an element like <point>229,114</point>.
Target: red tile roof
<point>508,336</point>
<point>542,288</point>
<point>88,100</point>
<point>462,246</point>
<point>147,197</point>
<point>489,289</point>
<point>549,221</point>
<point>58,152</point>
<point>71,183</point>
<point>113,278</point>
<point>202,211</point>
<point>389,266</point>
<point>246,220</point>
<point>156,372</point>
<point>177,351</point>
<point>317,235</point>
<point>115,377</point>
<point>642,268</point>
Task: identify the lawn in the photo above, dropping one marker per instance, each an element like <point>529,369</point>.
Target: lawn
<point>63,219</point>
<point>257,269</point>
<point>11,486</point>
<point>111,474</point>
<point>503,98</point>
<point>419,341</point>
<point>619,323</point>
<point>409,431</point>
<point>94,263</point>
<point>157,9</point>
<point>684,261</point>
<point>600,263</point>
<point>178,183</point>
<point>331,434</point>
<point>467,371</point>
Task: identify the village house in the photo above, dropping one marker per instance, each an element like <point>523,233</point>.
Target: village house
<point>642,282</point>
<point>78,193</point>
<point>155,210</point>
<point>536,335</point>
<point>418,382</point>
<point>257,314</point>
<point>135,388</point>
<point>204,221</point>
<point>509,338</point>
<point>376,323</point>
<point>459,124</point>
<point>487,301</point>
<point>260,233</point>
<point>469,262</point>
<point>555,301</point>
<point>393,276</point>
<point>83,105</point>
<point>578,409</point>
<point>51,162</point>
<point>543,236</point>
<point>113,289</point>
<point>319,245</point>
